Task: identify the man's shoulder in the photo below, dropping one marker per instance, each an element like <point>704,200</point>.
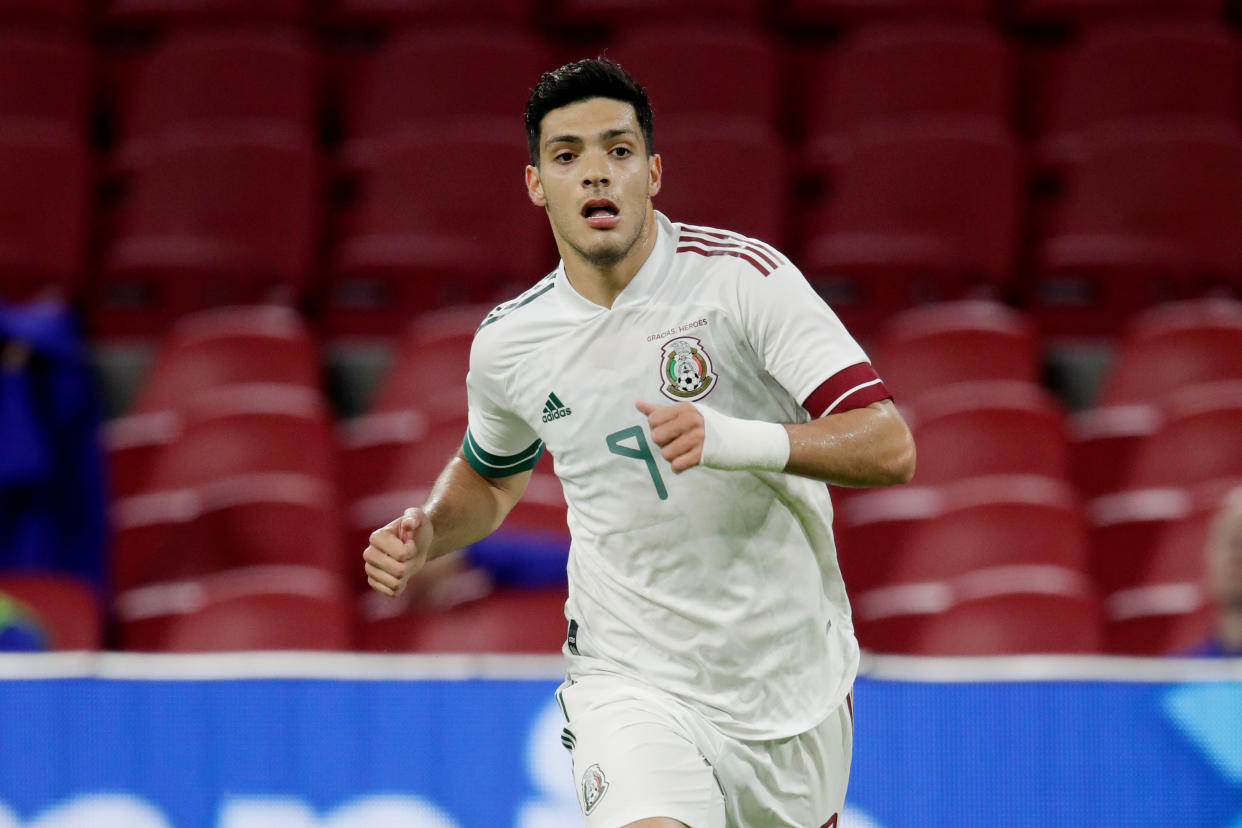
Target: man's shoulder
<point>712,248</point>
<point>523,307</point>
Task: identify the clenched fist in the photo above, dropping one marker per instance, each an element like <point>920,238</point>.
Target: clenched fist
<point>397,551</point>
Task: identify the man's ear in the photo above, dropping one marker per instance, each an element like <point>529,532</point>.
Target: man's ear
<point>655,168</point>
<point>534,187</point>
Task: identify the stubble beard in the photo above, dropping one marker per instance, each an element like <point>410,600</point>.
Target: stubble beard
<point>606,256</point>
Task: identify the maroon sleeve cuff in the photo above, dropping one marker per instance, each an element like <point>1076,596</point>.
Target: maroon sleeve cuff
<point>854,387</point>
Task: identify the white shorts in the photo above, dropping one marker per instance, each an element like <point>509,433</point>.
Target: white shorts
<point>640,754</point>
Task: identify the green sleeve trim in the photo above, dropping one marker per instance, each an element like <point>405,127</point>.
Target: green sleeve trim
<point>495,465</point>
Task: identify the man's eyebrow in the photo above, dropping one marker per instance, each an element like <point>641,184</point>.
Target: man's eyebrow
<point>607,135</point>
<point>563,139</point>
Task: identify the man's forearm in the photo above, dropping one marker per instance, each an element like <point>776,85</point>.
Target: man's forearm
<point>868,446</point>
<point>465,507</point>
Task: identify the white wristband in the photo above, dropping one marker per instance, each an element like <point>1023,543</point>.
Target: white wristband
<point>731,444</point>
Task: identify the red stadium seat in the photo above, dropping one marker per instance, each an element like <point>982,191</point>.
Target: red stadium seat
<point>755,199</point>
<point>820,12</point>
<point>942,343</point>
<point>1162,607</point>
<point>1001,520</point>
<point>68,608</point>
<point>1141,71</point>
<point>1083,11</point>
<point>45,186</point>
<point>1004,610</point>
<point>174,12</point>
<point>1149,215</point>
<point>55,13</point>
<point>366,445</point>
<point>132,444</point>
<point>905,70</point>
<point>1103,442</point>
<point>432,76</point>
<point>45,78</point>
<point>256,608</point>
<point>873,531</point>
<point>443,218</point>
<point>692,70</point>
<point>1176,346</point>
<point>226,346</point>
<point>249,234</point>
<point>1124,527</point>
<point>514,13</point>
<point>506,621</point>
<point>916,215</point>
<point>249,428</point>
<point>988,427</point>
<point>1199,439</point>
<point>612,13</point>
<point>217,82</point>
<point>429,365</point>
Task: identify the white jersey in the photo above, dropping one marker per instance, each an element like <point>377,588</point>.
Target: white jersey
<point>718,587</point>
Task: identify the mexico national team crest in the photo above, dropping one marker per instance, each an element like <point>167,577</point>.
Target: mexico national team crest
<point>594,784</point>
<point>686,369</point>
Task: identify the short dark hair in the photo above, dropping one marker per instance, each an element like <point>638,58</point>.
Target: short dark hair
<point>590,78</point>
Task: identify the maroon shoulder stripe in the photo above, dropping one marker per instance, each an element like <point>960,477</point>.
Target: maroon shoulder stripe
<point>737,254</point>
<point>772,252</point>
<point>854,387</point>
<point>739,246</point>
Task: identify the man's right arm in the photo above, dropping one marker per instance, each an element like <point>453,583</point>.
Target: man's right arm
<point>463,507</point>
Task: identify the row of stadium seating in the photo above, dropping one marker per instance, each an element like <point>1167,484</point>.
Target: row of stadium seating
<point>909,161</point>
<point>233,482</point>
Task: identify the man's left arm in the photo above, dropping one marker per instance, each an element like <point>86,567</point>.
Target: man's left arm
<point>866,446</point>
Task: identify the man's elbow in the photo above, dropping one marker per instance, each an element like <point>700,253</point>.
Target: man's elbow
<point>902,463</point>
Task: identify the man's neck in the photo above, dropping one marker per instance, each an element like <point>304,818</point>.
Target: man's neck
<point>603,284</point>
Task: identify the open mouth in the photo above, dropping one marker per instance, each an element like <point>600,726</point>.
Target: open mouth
<point>600,212</point>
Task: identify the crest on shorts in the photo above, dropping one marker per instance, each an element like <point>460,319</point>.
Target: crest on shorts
<point>594,786</point>
<point>685,369</point>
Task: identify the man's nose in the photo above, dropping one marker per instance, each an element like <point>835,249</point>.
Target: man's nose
<point>595,174</point>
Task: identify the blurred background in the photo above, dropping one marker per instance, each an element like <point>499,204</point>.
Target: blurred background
<point>244,247</point>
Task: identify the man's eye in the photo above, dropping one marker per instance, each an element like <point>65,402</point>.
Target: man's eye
<point>621,152</point>
<point>563,157</point>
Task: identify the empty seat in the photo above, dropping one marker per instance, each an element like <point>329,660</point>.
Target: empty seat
<point>1140,71</point>
<point>988,427</point>
<point>248,233</point>
<point>1199,438</point>
<point>133,443</point>
<point>908,70</point>
<point>943,343</point>
<point>217,82</point>
<point>225,346</point>
<point>916,215</point>
<point>1124,527</point>
<point>505,621</point>
<point>426,231</point>
<point>175,12</point>
<point>819,12</point>
<point>1001,520</point>
<point>612,13</point>
<point>873,532</point>
<point>1103,442</point>
<point>67,608</point>
<point>1149,216</point>
<point>1003,610</point>
<point>256,608</point>
<point>429,365</point>
<point>404,12</point>
<point>249,428</point>
<point>1084,11</point>
<point>428,75</point>
<point>237,521</point>
<point>691,70</point>
<point>45,186</point>
<point>44,78</point>
<point>44,12</point>
<point>1160,606</point>
<point>1175,346</point>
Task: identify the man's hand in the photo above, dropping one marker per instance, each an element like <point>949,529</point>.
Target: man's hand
<point>397,551</point>
<point>678,431</point>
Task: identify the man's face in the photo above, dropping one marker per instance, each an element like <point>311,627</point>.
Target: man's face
<point>1224,556</point>
<point>595,179</point>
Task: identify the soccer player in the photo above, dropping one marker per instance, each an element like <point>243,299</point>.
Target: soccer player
<point>695,393</point>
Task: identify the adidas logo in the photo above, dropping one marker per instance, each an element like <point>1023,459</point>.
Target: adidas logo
<point>554,409</point>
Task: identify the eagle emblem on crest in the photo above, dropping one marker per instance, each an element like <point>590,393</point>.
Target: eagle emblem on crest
<point>685,370</point>
<point>594,785</point>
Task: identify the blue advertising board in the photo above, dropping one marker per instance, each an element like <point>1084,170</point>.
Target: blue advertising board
<point>163,743</point>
